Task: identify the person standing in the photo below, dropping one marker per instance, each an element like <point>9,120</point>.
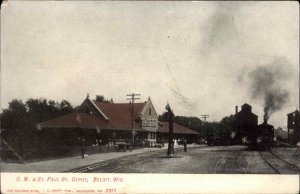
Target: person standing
<point>185,145</point>
<point>82,146</point>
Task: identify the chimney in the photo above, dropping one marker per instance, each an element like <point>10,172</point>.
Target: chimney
<point>236,109</point>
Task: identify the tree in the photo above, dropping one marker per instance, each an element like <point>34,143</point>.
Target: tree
<point>20,120</point>
<point>15,116</point>
<point>193,123</point>
<point>101,98</point>
<point>65,107</point>
<point>229,122</point>
<point>26,115</point>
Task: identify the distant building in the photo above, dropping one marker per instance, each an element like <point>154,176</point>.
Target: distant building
<point>246,121</point>
<point>293,125</point>
<point>109,121</point>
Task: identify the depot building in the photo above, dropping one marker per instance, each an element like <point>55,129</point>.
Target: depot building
<point>107,122</point>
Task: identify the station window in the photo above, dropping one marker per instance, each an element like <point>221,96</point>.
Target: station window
<point>152,136</point>
<point>149,111</point>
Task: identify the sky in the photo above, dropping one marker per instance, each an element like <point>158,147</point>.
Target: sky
<point>197,56</point>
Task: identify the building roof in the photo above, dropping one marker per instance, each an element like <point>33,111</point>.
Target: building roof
<point>120,114</point>
<point>83,121</point>
<point>246,105</point>
<point>75,120</point>
<point>179,129</point>
<point>296,112</point>
<point>246,111</point>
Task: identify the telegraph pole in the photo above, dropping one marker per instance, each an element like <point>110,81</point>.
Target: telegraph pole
<point>132,119</point>
<point>170,118</point>
<point>205,117</point>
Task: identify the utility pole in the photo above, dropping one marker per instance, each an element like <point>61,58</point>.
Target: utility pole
<point>205,117</point>
<point>132,119</point>
<point>170,113</point>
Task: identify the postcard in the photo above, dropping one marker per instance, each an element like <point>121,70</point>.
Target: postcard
<point>150,97</point>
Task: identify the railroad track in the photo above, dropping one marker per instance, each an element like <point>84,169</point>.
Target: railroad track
<point>278,164</point>
<point>112,165</point>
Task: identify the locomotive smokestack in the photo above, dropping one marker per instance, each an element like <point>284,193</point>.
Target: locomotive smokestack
<point>265,121</point>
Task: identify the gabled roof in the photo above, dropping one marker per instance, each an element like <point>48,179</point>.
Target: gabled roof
<point>146,105</point>
<point>75,120</point>
<point>120,115</point>
<point>179,129</point>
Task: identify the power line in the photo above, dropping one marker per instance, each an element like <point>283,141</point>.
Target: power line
<point>205,129</point>
<point>132,119</point>
<point>205,117</point>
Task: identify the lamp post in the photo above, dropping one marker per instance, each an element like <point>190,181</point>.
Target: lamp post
<point>39,131</point>
<point>205,124</point>
<point>98,138</point>
<point>170,118</point>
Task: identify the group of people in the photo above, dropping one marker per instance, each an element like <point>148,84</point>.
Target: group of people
<point>82,141</point>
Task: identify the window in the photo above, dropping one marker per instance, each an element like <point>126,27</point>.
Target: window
<point>149,111</point>
<point>152,136</point>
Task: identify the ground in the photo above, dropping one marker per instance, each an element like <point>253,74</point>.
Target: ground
<point>199,159</point>
<point>211,160</point>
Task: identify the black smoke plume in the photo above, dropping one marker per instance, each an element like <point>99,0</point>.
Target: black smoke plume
<point>267,85</point>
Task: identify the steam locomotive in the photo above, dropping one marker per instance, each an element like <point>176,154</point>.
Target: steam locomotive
<point>262,138</point>
<point>257,137</point>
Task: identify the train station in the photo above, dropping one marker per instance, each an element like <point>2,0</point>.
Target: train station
<point>111,124</point>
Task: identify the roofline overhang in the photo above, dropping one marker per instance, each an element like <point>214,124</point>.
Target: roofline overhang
<point>98,109</point>
<point>78,127</point>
